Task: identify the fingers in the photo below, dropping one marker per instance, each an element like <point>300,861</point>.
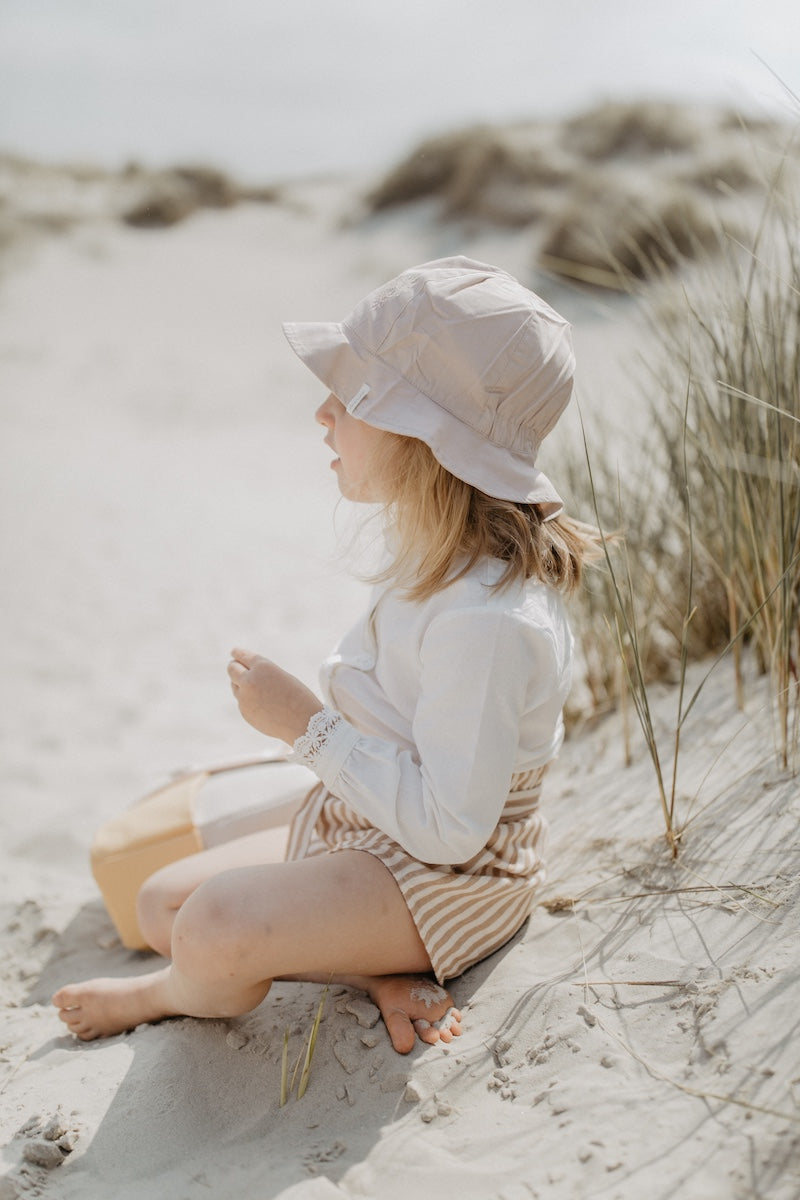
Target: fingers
<point>245,657</point>
<point>236,673</point>
<point>240,663</point>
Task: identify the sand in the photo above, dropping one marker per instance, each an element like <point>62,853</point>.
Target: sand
<point>165,496</point>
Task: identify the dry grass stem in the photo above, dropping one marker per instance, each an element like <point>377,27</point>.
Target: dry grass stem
<point>631,983</point>
<point>700,1093</point>
<point>570,903</point>
<point>285,1069</point>
<point>312,1042</point>
<point>305,1056</point>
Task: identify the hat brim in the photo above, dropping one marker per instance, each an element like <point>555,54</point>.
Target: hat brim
<point>393,404</point>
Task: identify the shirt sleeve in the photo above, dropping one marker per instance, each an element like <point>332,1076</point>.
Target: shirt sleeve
<point>480,673</point>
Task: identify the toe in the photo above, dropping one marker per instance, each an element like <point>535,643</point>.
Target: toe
<point>452,1023</point>
<point>443,1030</point>
<point>400,1030</point>
<point>87,1033</point>
<point>426,1032</point>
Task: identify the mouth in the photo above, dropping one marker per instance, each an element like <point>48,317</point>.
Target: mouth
<point>336,461</point>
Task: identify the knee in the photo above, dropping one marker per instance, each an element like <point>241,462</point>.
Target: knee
<point>209,939</point>
<point>155,913</point>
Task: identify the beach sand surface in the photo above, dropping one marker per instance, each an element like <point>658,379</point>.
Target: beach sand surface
<point>165,496</point>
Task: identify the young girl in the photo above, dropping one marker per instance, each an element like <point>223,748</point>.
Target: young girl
<point>419,851</point>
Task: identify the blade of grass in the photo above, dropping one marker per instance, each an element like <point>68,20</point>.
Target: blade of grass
<point>312,1041</point>
<point>734,391</point>
<point>684,643</point>
<point>636,681</point>
<point>285,1069</point>
<point>295,1069</point>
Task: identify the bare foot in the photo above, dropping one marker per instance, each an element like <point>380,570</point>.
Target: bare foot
<point>103,1007</point>
<point>412,1005</point>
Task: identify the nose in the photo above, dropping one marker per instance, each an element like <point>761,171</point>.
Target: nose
<point>324,414</point>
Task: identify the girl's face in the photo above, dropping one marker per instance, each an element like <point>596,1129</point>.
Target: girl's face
<point>355,443</point>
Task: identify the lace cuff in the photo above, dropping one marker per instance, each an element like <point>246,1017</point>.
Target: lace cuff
<point>309,747</point>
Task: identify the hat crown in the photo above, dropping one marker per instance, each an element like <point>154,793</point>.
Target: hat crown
<point>476,343</point>
<point>461,356</point>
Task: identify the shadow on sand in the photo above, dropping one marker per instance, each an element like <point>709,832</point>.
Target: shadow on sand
<point>194,1106</point>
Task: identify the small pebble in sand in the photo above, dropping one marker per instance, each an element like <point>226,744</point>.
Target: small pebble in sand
<point>236,1039</point>
<point>43,1153</point>
<point>55,1128</point>
<point>587,1014</point>
<point>364,1011</point>
<point>347,1055</point>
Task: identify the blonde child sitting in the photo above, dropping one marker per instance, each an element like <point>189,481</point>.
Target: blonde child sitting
<point>419,851</point>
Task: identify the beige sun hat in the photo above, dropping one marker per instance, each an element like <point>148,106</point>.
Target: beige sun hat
<point>460,355</point>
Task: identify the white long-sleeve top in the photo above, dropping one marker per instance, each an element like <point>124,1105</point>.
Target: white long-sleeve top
<point>442,702</point>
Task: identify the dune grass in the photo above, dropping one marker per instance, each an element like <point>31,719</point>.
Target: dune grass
<point>619,128</point>
<point>612,195</point>
<point>709,508</point>
<point>740,350</point>
<point>608,227</point>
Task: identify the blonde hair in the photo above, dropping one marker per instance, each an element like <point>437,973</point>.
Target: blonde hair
<point>442,526</point>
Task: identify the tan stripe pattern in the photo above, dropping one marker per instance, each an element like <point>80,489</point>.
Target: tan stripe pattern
<point>462,912</point>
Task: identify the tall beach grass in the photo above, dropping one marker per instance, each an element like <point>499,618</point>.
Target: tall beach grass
<point>709,506</point>
<point>739,349</point>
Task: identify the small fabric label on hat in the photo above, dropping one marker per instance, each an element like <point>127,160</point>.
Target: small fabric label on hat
<point>359,396</point>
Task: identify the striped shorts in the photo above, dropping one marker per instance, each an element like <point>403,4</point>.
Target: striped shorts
<point>463,912</point>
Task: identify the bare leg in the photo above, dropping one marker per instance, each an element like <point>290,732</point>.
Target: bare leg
<point>167,890</point>
<point>397,996</point>
<point>339,915</point>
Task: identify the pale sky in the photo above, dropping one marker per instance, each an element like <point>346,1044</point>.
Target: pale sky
<point>266,87</point>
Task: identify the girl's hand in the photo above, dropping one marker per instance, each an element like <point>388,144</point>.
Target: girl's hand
<point>270,699</point>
